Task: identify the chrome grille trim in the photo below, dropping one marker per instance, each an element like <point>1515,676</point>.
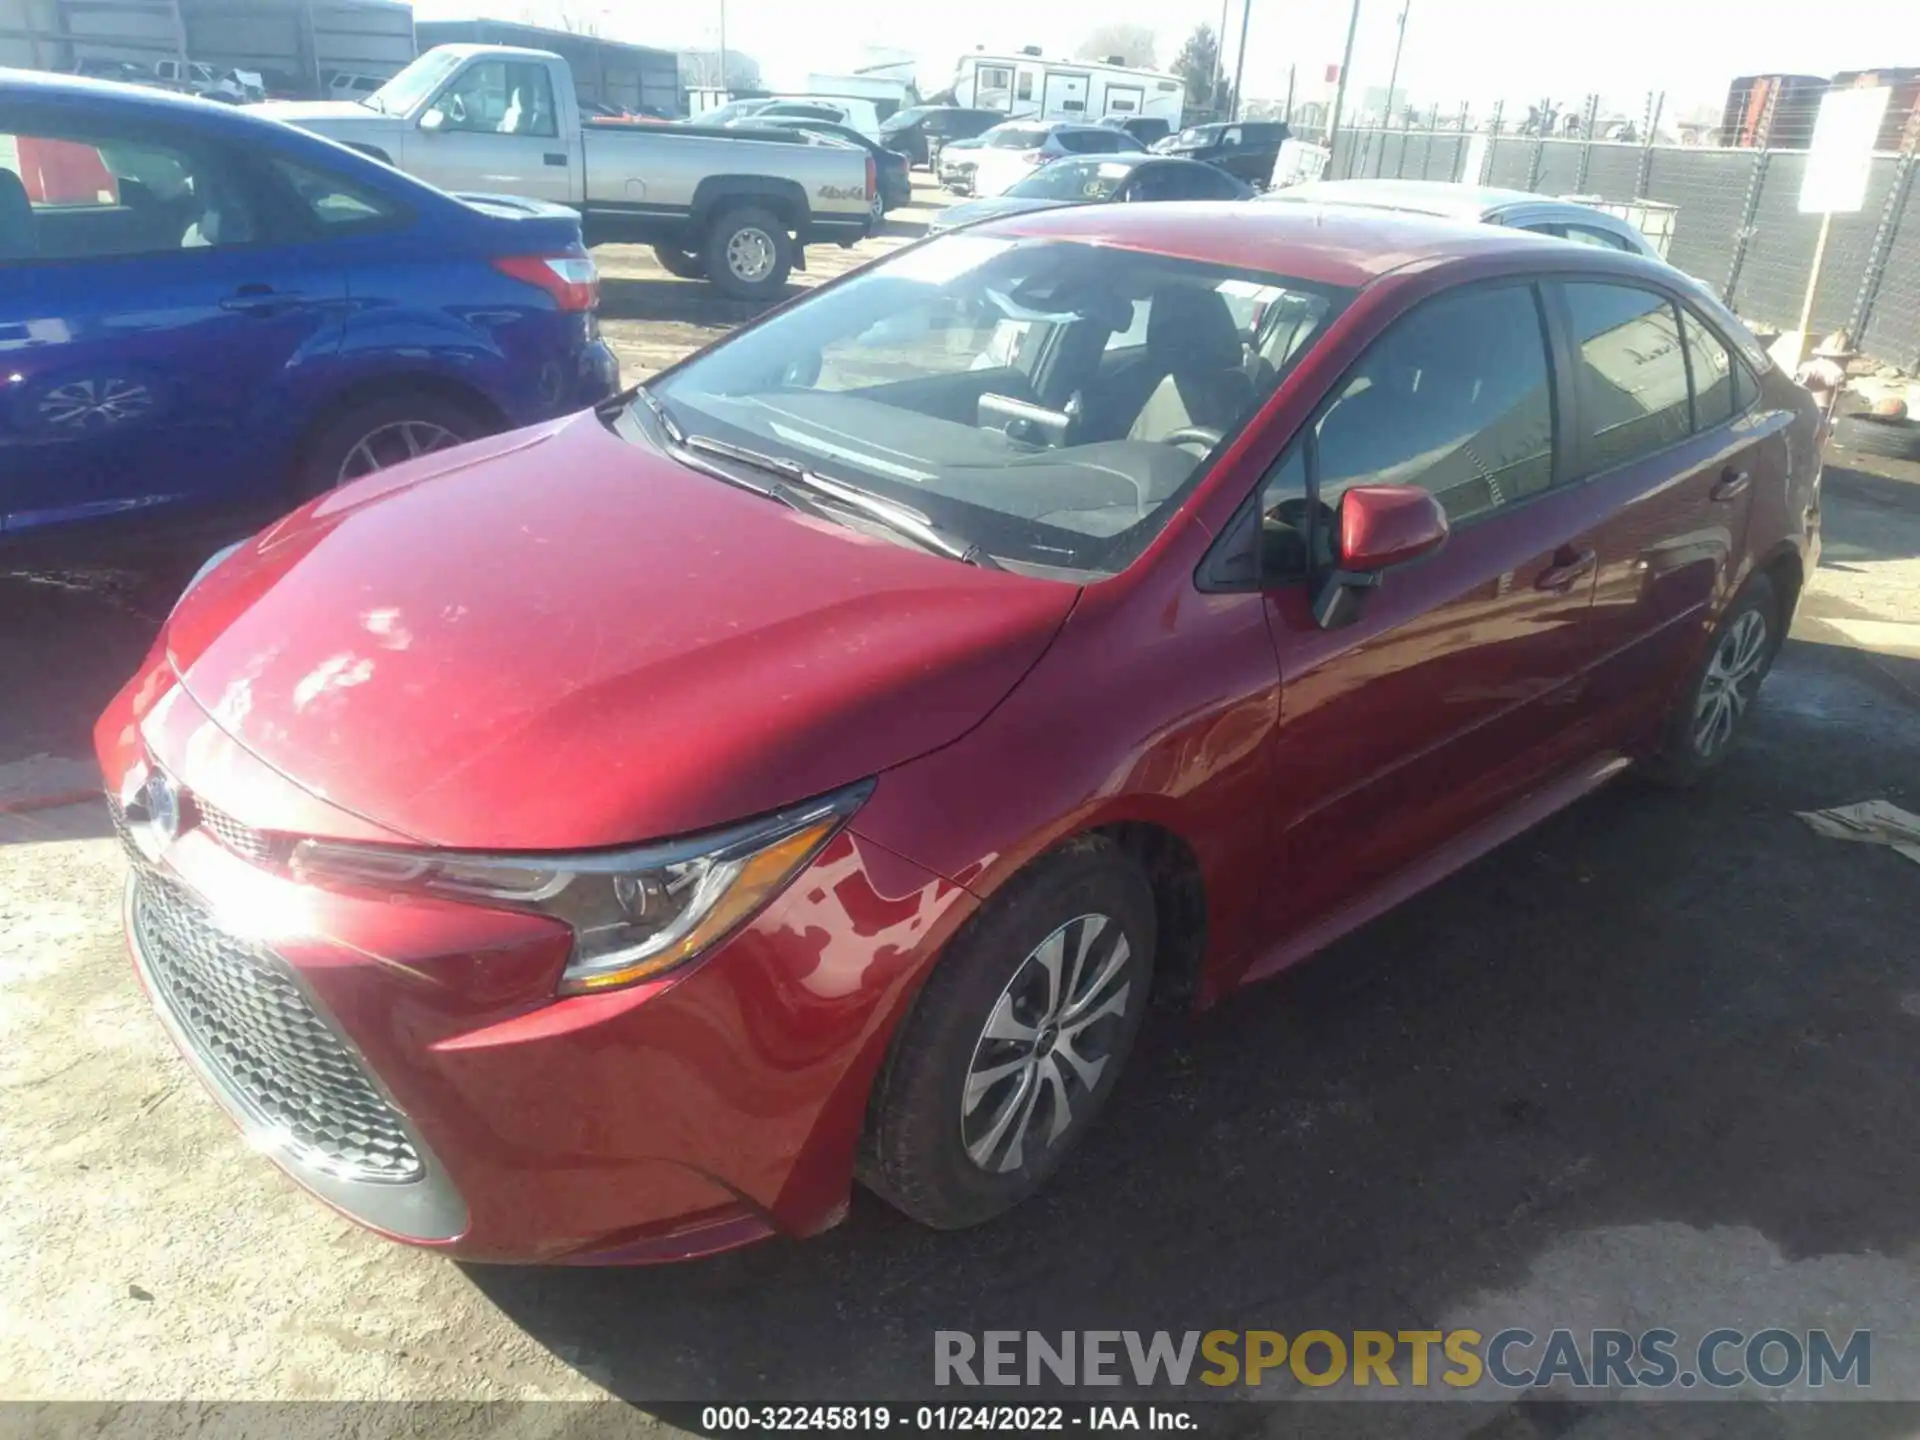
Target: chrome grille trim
<point>242,840</point>
<point>248,1022</point>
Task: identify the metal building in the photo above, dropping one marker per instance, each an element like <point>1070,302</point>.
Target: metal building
<point>610,71</point>
<point>297,45</point>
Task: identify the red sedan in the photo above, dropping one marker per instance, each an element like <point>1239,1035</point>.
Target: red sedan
<point>606,841</point>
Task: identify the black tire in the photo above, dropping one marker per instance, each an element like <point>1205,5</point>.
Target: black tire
<point>916,1149</point>
<point>328,458</point>
<point>1686,753</point>
<point>1878,435</point>
<point>751,225</point>
<point>678,262</point>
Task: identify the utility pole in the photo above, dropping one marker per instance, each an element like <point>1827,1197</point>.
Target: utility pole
<point>723,48</point>
<point>1240,65</point>
<point>1220,60</point>
<point>1393,75</point>
<point>1340,86</point>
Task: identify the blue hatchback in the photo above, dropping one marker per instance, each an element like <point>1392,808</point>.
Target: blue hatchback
<point>206,317</point>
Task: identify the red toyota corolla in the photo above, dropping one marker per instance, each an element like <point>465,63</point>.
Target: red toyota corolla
<point>606,841</point>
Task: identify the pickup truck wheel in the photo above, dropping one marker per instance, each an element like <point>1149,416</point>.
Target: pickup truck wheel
<point>387,430</point>
<point>680,263</point>
<point>748,254</point>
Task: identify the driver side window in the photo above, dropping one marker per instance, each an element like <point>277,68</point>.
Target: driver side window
<point>498,97</point>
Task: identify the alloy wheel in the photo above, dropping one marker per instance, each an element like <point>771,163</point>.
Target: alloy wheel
<point>1732,679</point>
<point>393,443</point>
<point>1050,1034</point>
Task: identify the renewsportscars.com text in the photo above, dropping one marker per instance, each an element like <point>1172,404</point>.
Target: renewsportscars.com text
<point>1513,1359</point>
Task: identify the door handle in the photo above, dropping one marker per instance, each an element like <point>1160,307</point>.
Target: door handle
<point>1731,484</point>
<point>261,300</point>
<point>1567,570</point>
<point>553,159</point>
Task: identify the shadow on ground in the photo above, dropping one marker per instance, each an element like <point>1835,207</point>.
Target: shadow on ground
<point>1658,1007</point>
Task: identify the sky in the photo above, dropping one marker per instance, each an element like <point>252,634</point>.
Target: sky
<point>1471,51</point>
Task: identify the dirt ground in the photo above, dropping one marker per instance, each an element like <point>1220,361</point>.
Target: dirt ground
<point>1651,1063</point>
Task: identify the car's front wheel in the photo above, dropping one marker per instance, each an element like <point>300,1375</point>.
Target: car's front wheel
<point>1016,1041</point>
<point>1709,713</point>
<point>382,431</point>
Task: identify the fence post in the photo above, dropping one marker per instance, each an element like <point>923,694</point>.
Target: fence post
<point>1883,235</point>
<point>1755,184</point>
<point>1655,103</point>
<point>1539,144</point>
<point>1493,142</point>
<point>1586,149</point>
<point>1460,146</point>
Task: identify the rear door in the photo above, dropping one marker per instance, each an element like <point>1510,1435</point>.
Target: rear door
<point>1673,447</point>
<point>1452,693</point>
<point>495,126</point>
<point>152,310</point>
<point>1066,95</point>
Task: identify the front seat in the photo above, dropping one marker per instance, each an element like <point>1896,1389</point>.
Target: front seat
<point>1194,346</point>
<point>19,237</point>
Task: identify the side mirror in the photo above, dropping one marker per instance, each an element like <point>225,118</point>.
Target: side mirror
<point>433,119</point>
<point>1377,527</point>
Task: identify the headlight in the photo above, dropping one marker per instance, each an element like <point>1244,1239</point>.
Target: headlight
<point>634,913</point>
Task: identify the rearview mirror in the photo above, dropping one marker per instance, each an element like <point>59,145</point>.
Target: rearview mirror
<point>433,119</point>
<point>1377,528</point>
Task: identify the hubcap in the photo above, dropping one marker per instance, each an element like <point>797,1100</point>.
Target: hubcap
<point>391,444</point>
<point>1047,1040</point>
<point>1732,678</point>
<point>750,254</point>
<point>878,206</point>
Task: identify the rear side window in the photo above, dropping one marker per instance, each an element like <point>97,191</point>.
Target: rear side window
<point>338,206</point>
<point>1593,235</point>
<point>116,191</point>
<point>1713,368</point>
<point>1455,398</point>
<point>1632,373</point>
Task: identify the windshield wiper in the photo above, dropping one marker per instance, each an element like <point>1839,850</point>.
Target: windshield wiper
<point>661,417</point>
<point>809,489</point>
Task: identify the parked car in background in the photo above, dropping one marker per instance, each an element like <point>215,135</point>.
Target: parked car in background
<point>532,822</point>
<point>1098,180</point>
<point>955,161</point>
<point>1014,150</point>
<point>349,85</point>
<point>1245,149</point>
<point>896,179</point>
<point>124,72</point>
<point>739,207</point>
<point>920,131</point>
<point>1147,129</point>
<point>188,75</point>
<point>855,114</point>
<point>209,317</point>
<point>1476,204</point>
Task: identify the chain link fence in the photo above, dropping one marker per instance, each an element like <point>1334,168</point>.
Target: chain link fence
<point>1737,224</point>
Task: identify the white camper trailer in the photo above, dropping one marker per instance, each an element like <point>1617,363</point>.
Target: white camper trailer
<point>1028,86</point>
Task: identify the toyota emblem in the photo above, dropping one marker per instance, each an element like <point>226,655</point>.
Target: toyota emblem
<point>163,807</point>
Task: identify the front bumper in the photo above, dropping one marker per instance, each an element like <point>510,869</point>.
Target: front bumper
<point>408,1062</point>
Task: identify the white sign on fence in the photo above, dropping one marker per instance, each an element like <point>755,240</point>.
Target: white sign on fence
<point>1841,158</point>
<point>1297,163</point>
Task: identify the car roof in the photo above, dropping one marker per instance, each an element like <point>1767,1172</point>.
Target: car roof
<point>24,85</point>
<point>1420,197</point>
<point>1325,245</point>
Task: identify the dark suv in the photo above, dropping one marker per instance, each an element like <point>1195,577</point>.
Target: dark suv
<point>919,131</point>
<point>1245,149</point>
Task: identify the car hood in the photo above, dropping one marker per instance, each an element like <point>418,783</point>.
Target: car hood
<point>335,119</point>
<point>991,209</point>
<point>557,639</point>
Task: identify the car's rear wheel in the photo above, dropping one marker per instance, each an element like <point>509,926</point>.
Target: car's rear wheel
<point>748,253</point>
<point>1710,711</point>
<point>678,262</point>
<point>1016,1041</point>
<point>378,433</point>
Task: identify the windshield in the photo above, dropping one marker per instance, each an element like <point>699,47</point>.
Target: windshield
<point>732,110</point>
<point>1049,402</point>
<point>901,119</point>
<point>1018,137</point>
<point>1073,180</point>
<point>1199,134</point>
<point>414,85</point>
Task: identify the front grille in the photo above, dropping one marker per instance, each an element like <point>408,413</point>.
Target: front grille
<point>245,1017</point>
<point>117,812</point>
<point>243,840</point>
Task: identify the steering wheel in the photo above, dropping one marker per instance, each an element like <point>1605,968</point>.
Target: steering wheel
<point>1203,435</point>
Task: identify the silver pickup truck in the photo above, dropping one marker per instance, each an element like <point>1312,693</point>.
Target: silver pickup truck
<point>737,207</point>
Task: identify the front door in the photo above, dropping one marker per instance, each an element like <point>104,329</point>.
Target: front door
<point>494,128</point>
<point>1673,444</point>
<point>1449,695</point>
<point>1066,96</point>
<point>143,316</point>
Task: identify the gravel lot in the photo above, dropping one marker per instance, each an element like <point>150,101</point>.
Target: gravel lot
<point>1652,1063</point>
